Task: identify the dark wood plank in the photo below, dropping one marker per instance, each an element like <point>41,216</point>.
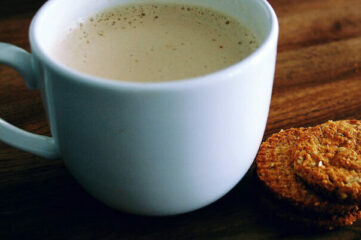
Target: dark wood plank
<point>318,64</point>
<point>311,104</point>
<point>306,23</point>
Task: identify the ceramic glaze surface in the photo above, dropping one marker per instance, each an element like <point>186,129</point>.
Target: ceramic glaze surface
<point>157,148</point>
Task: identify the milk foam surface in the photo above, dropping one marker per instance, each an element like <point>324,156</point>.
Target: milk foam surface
<point>154,43</point>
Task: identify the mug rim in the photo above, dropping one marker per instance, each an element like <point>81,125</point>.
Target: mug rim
<point>96,81</point>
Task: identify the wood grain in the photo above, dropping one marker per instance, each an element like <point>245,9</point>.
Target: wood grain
<point>318,77</point>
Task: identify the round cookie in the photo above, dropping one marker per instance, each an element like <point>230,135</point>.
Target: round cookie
<point>328,157</point>
<point>275,169</point>
<point>301,219</point>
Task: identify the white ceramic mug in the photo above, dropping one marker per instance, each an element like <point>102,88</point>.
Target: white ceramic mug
<point>154,148</point>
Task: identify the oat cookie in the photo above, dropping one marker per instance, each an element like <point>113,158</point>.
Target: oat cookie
<point>328,157</point>
<point>275,170</point>
<point>301,219</point>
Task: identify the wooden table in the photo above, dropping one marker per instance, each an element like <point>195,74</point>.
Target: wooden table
<point>318,78</point>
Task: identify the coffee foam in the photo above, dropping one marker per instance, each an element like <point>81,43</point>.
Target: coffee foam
<point>155,42</point>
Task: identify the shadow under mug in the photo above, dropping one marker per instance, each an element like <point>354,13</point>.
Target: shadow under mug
<point>155,148</point>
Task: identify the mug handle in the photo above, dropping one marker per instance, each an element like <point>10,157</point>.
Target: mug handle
<point>39,145</point>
